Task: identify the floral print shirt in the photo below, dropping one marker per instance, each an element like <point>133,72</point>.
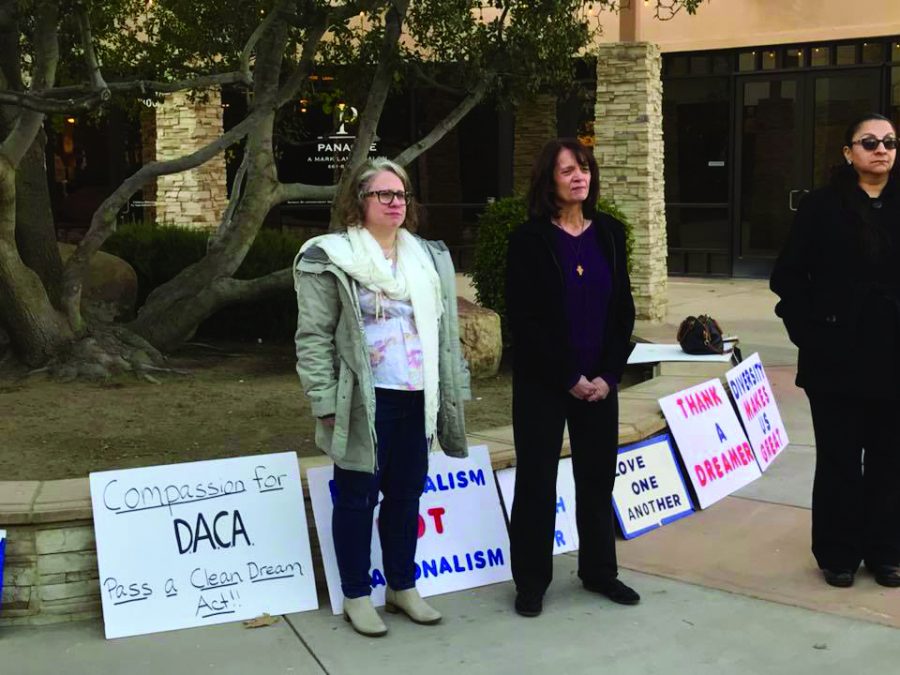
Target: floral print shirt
<point>395,350</point>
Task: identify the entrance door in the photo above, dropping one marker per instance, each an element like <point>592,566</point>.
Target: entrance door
<point>789,136</point>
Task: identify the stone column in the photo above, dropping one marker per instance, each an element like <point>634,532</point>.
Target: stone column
<point>194,198</point>
<point>535,125</point>
<point>628,146</point>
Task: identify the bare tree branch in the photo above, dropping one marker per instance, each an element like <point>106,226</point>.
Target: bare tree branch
<point>291,191</point>
<point>48,101</point>
<point>315,31</point>
<point>433,83</point>
<point>98,84</point>
<point>46,58</point>
<point>277,11</point>
<point>445,125</point>
<point>229,290</point>
<point>378,91</point>
<point>103,221</point>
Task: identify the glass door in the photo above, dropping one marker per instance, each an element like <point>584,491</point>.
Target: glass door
<point>771,174</point>
<point>789,137</point>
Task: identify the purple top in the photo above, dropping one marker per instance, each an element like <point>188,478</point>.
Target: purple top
<point>587,300</point>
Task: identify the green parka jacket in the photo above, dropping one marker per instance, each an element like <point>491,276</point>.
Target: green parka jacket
<point>333,360</point>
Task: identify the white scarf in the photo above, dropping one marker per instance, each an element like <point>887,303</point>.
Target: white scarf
<point>359,255</point>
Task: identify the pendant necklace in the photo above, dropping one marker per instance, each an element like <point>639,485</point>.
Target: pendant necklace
<point>575,246</point>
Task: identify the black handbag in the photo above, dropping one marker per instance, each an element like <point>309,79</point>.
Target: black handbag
<point>700,335</point>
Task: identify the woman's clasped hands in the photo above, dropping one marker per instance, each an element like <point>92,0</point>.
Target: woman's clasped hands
<point>590,390</point>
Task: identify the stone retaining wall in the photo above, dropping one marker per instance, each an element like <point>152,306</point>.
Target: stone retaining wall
<point>51,559</point>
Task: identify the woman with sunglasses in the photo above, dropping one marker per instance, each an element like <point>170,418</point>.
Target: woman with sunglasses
<point>378,355</point>
<point>838,279</point>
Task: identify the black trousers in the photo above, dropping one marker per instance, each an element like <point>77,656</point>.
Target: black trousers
<point>856,491</point>
<point>539,416</point>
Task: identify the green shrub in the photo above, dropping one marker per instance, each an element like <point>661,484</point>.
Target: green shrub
<point>494,226</point>
<point>159,252</point>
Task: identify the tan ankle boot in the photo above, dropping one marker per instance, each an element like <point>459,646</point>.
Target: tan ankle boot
<point>362,616</point>
<point>411,604</point>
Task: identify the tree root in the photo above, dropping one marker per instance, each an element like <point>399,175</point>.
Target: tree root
<point>106,351</point>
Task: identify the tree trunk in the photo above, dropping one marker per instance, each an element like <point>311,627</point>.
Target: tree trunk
<point>37,330</point>
<point>35,229</point>
<point>173,311</point>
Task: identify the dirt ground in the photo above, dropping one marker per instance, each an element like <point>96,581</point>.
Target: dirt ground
<point>236,400</point>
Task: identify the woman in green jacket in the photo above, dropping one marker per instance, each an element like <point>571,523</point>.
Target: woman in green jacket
<point>378,355</point>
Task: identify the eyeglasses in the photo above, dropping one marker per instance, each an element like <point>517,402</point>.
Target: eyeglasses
<point>871,143</point>
<point>387,197</point>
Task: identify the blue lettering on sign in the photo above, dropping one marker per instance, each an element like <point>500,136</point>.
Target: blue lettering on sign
<point>560,505</point>
<point>560,539</point>
<point>453,564</point>
<point>722,436</point>
<point>454,480</point>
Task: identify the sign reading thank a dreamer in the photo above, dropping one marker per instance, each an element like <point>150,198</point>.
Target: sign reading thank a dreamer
<point>649,491</point>
<point>758,410</point>
<point>565,537</point>
<point>462,543</point>
<point>201,543</point>
<point>716,453</point>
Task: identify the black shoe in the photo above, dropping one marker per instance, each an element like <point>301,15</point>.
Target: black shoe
<point>887,575</point>
<point>839,578</point>
<point>529,604</point>
<point>615,590</point>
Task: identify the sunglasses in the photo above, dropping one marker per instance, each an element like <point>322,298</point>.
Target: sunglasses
<point>386,197</point>
<point>871,143</point>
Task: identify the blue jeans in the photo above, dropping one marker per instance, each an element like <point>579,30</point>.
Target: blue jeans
<point>400,476</point>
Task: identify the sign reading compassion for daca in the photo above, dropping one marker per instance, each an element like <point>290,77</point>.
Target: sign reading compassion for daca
<point>649,491</point>
<point>565,538</point>
<point>201,543</point>
<point>716,453</point>
<point>756,405</point>
<point>463,541</point>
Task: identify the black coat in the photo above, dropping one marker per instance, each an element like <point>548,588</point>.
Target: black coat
<point>837,280</point>
<point>535,303</point>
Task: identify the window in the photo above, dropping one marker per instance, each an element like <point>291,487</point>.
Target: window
<point>872,52</point>
<point>846,55</point>
<point>769,60</point>
<point>746,61</point>
<point>821,56</point>
<point>794,58</point>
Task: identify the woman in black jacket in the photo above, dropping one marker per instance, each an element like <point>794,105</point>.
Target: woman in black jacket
<point>571,313</point>
<point>838,279</point>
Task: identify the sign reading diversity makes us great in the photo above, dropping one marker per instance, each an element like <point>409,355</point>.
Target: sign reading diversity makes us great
<point>201,543</point>
<point>463,541</point>
<point>756,405</point>
<point>715,450</point>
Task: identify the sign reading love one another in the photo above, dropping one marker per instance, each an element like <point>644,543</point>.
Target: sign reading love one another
<point>756,405</point>
<point>713,446</point>
<point>462,542</point>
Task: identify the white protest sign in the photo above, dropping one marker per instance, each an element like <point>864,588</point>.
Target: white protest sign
<point>201,543</point>
<point>716,453</point>
<point>462,543</point>
<point>565,538</point>
<point>649,491</point>
<point>756,405</point>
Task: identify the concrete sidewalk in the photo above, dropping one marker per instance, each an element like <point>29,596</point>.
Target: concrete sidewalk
<point>732,590</point>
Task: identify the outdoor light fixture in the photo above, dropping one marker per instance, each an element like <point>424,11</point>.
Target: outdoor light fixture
<point>70,120</point>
